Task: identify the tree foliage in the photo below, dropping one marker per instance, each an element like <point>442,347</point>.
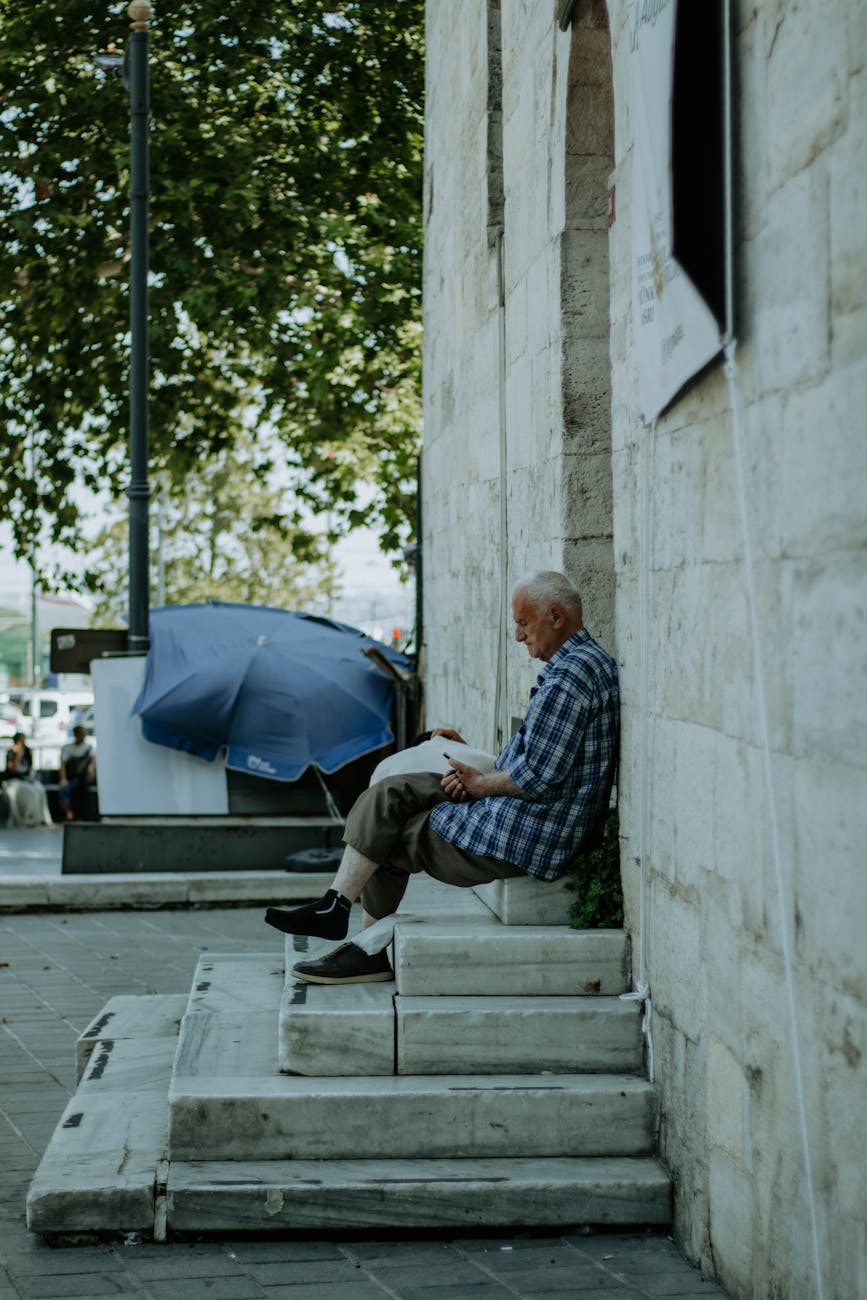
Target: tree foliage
<point>226,534</point>
<point>284,249</point>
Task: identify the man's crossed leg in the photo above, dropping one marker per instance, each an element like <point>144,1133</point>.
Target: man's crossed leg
<point>388,838</point>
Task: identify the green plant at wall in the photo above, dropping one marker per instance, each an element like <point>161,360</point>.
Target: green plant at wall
<point>594,877</point>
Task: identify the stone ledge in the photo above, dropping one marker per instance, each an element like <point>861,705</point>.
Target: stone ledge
<point>222,1108</point>
<point>99,1169</point>
<point>107,891</point>
<point>498,961</point>
<point>337,1030</point>
<point>525,901</point>
<point>156,1015</point>
<point>517,1035</point>
<point>275,1196</point>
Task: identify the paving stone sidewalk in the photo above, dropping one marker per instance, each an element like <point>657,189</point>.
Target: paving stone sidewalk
<point>56,972</point>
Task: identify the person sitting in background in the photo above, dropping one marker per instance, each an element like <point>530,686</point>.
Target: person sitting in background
<point>77,769</point>
<point>28,804</point>
<point>19,760</point>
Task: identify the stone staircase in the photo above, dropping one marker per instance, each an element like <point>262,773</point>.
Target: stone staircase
<point>497,1081</point>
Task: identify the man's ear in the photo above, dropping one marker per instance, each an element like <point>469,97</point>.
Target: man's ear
<point>556,614</point>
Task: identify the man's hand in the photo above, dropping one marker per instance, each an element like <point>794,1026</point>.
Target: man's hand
<point>464,782</point>
<point>454,786</point>
<point>448,734</point>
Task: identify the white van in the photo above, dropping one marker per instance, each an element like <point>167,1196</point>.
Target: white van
<point>48,716</point>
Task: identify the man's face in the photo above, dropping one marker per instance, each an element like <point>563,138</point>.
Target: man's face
<point>542,634</point>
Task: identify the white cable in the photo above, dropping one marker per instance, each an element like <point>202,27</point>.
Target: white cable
<point>641,993</point>
<point>736,400</point>
<point>500,728</point>
<point>642,986</point>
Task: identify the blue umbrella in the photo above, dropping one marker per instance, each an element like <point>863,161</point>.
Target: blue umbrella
<point>279,690</point>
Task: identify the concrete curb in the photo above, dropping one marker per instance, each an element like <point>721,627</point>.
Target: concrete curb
<point>103,891</point>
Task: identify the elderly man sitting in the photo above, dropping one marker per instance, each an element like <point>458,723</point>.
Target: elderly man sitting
<point>549,790</point>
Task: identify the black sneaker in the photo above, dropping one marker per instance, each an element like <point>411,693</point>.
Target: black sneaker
<point>347,964</point>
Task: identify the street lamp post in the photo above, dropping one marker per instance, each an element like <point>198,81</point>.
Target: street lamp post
<point>138,491</point>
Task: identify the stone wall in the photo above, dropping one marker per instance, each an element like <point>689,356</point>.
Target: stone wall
<point>733,962</point>
<point>516,463</point>
<point>732,959</point>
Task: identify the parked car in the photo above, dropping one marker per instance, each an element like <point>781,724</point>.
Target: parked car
<point>11,719</point>
<point>49,715</point>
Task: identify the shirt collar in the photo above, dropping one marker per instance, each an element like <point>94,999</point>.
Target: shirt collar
<point>577,638</point>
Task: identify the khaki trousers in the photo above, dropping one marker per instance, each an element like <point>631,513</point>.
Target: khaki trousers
<point>389,824</point>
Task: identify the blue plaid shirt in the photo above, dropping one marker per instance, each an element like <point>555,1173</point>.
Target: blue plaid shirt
<point>563,759</point>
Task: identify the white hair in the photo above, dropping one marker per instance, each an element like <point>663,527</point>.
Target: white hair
<point>547,588</point>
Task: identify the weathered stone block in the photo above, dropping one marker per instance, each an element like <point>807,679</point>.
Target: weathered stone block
<point>738,819</point>
<point>856,43</point>
<point>585,393</point>
<point>680,1071</point>
<point>826,673</point>
<point>99,1169</point>
<point>727,1100</point>
<point>674,936</point>
<point>830,828</point>
<point>591,129</point>
<point>751,143</point>
<point>806,47</point>
<point>524,901</point>
<point>230,1116</point>
<point>590,60</point>
<point>584,284</point>
<point>732,1219</point>
<point>586,495</point>
<point>278,1196</point>
<point>123,1017</point>
<point>848,175</point>
<point>695,794</point>
<point>529,960</point>
<point>347,1030</point>
<point>833,1072</point>
<point>790,278</point>
<point>587,191</point>
<point>517,1035</point>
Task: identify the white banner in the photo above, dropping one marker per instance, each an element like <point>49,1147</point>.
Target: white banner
<point>675,331</point>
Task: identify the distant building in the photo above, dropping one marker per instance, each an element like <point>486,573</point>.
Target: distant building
<point>16,638</point>
<point>743,814</point>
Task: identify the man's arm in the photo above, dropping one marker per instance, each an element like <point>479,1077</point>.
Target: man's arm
<point>541,755</point>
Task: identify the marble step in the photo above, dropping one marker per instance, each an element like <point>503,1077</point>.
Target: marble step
<point>354,1195</point>
<point>226,1117</point>
<point>439,959</point>
<point>100,1169</point>
<point>228,1101</point>
<point>364,1029</point>
<point>106,1169</point>
<point>236,985</point>
<point>344,1029</point>
<point>127,1016</point>
<point>517,1035</point>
